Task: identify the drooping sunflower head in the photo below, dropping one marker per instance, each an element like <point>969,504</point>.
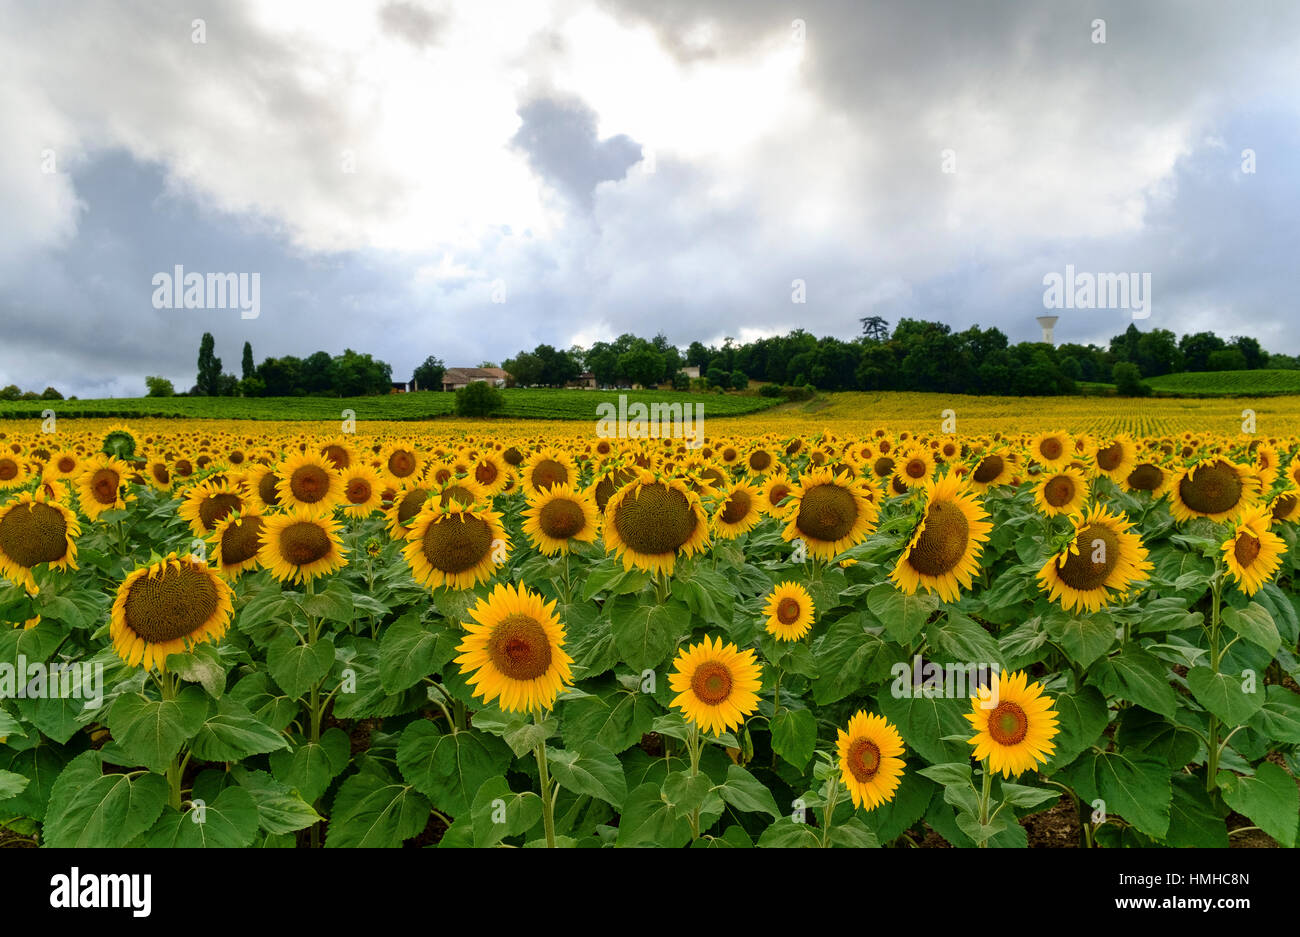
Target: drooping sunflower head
<point>1103,558</point>
<point>309,481</point>
<point>716,684</point>
<point>829,513</point>
<point>455,546</point>
<point>208,503</point>
<point>300,545</point>
<point>609,482</point>
<point>653,520</point>
<point>513,650</point>
<point>119,442</point>
<point>1213,488</point>
<point>1061,491</point>
<point>168,608</point>
<point>789,612</point>
<point>1285,506</point>
<point>738,511</point>
<point>1014,728</point>
<point>1253,553</point>
<point>558,516</point>
<point>35,531</point>
<point>870,757</point>
<point>943,553</point>
<point>237,538</point>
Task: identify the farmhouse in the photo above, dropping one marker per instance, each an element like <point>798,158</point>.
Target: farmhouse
<point>456,378</point>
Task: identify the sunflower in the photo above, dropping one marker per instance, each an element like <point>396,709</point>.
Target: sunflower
<point>546,467</point>
<point>760,460</point>
<point>261,486</point>
<point>339,453</point>
<point>1051,450</point>
<point>776,491</point>
<point>1148,476</point>
<point>300,545</point>
<point>1253,552</point>
<point>716,684</point>
<point>514,650</point>
<point>1285,506</point>
<point>1103,557</point>
<point>610,482</point>
<point>207,503</point>
<point>1015,733</point>
<point>491,472</point>
<point>913,467</point>
<point>739,510</point>
<point>309,481</point>
<point>13,471</point>
<point>159,475</point>
<point>362,490</point>
<point>1061,491</point>
<point>1116,458</point>
<point>993,469</point>
<point>237,538</point>
<point>455,546</point>
<point>789,612</point>
<point>829,513</point>
<point>558,516</point>
<point>1213,488</point>
<point>653,520</point>
<point>168,608</point>
<point>871,765</point>
<point>33,532</point>
<point>406,503</point>
<point>943,554</point>
<point>402,463</point>
<point>99,486</point>
<point>119,442</point>
<point>64,464</point>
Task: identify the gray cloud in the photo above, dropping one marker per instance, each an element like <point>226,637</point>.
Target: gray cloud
<point>559,136</point>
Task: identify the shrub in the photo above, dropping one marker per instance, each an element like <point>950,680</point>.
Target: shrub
<point>159,387</point>
<point>479,399</point>
<point>1128,380</point>
<point>770,390</point>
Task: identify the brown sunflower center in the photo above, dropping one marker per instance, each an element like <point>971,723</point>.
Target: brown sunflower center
<point>104,484</point>
<point>358,491</point>
<point>655,519</point>
<point>1059,491</point>
<point>561,519</point>
<point>864,759</point>
<point>990,467</point>
<point>787,611</point>
<point>217,507</point>
<point>33,533</point>
<point>1050,448</point>
<point>160,473</point>
<point>943,542</point>
<point>171,605</point>
<point>711,682</point>
<point>1008,724</point>
<point>185,468</point>
<point>309,484</point>
<point>777,493</point>
<point>1110,457</point>
<point>883,466</point>
<point>304,542</point>
<point>458,493</point>
<point>737,508</point>
<point>8,470</point>
<point>1284,506</point>
<point>401,463</point>
<point>606,487</point>
<point>513,456</point>
<point>66,464</point>
<point>915,468</point>
<point>267,489</point>
<point>337,455</point>
<point>1245,550</point>
<point>548,472</point>
<point>239,541</point>
<point>1211,489</point>
<point>485,473</point>
<point>1097,558</point>
<point>759,461</point>
<point>1146,477</point>
<point>827,512</point>
<point>519,647</point>
<point>411,503</point>
<point>457,543</point>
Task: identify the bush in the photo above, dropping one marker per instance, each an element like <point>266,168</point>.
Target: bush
<point>681,381</point>
<point>739,380</point>
<point>806,392</point>
<point>479,399</point>
<point>1128,380</point>
<point>51,394</point>
<point>717,377</point>
<point>12,392</point>
<point>770,390</point>
<point>159,387</point>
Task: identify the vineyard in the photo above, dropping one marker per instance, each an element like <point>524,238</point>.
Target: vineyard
<point>906,629</point>
<point>1227,383</point>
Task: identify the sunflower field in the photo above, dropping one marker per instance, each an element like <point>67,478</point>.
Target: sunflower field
<point>499,634</point>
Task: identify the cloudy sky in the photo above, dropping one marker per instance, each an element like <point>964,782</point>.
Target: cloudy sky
<point>471,178</point>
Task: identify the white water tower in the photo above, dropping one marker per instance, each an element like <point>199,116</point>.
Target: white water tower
<point>1047,322</point>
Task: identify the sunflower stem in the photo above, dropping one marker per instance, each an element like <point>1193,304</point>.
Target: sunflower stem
<point>1213,750</point>
<point>544,776</point>
<point>693,748</point>
<point>986,790</point>
<point>832,795</point>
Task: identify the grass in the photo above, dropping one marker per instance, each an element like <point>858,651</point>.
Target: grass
<point>424,405</point>
<point>1260,383</point>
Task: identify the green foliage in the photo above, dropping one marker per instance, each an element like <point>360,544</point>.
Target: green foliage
<point>480,399</point>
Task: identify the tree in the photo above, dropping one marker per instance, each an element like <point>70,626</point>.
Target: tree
<point>246,365</point>
<point>874,328</point>
<point>227,385</point>
<point>642,365</point>
<point>479,399</point>
<point>1227,359</point>
<point>739,380</point>
<point>525,368</point>
<point>558,367</point>
<point>1128,380</point>
<point>1157,353</point>
<point>358,375</point>
<point>718,377</point>
<point>1197,348</point>
<point>681,381</point>
<point>12,392</point>
<point>317,375</point>
<point>698,356</point>
<point>51,394</point>
<point>159,387</point>
<point>428,374</point>
<point>279,376</point>
<point>208,382</point>
<point>1255,356</point>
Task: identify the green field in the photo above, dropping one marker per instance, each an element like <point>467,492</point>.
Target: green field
<point>425,405</point>
<point>1262,383</point>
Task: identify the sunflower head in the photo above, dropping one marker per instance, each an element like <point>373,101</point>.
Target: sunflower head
<point>237,539</point>
<point>1213,488</point>
<point>168,608</point>
<point>558,516</point>
<point>870,756</point>
<point>789,612</point>
<point>35,531</point>
<point>716,685</point>
<point>1253,553</point>
<point>454,545</point>
<point>653,520</point>
<point>943,553</point>
<point>829,513</point>
<point>739,510</point>
<point>1015,728</point>
<point>1103,558</point>
<point>300,545</point>
<point>309,481</point>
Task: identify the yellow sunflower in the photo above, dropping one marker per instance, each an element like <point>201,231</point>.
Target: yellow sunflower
<point>1213,488</point>
<point>168,608</point>
<point>1253,552</point>
<point>776,492</point>
<point>653,520</point>
<point>455,546</point>
<point>913,467</point>
<point>1061,491</point>
<point>514,650</point>
<point>362,490</point>
<point>309,481</point>
<point>300,545</point>
<point>1051,450</point>
<point>339,453</point>
<point>491,472</point>
<point>34,532</point>
<point>1286,506</point>
<point>1015,732</point>
<point>1116,458</point>
<point>13,471</point>
<point>993,469</point>
<point>829,513</point>
<point>406,503</point>
<point>100,484</point>
<point>237,538</point>
<point>789,612</point>
<point>739,510</point>
<point>871,764</point>
<point>261,486</point>
<point>208,502</point>
<point>1150,477</point>
<point>943,553</point>
<point>1103,557</point>
<point>716,685</point>
<point>546,467</point>
<point>402,463</point>
<point>558,516</point>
